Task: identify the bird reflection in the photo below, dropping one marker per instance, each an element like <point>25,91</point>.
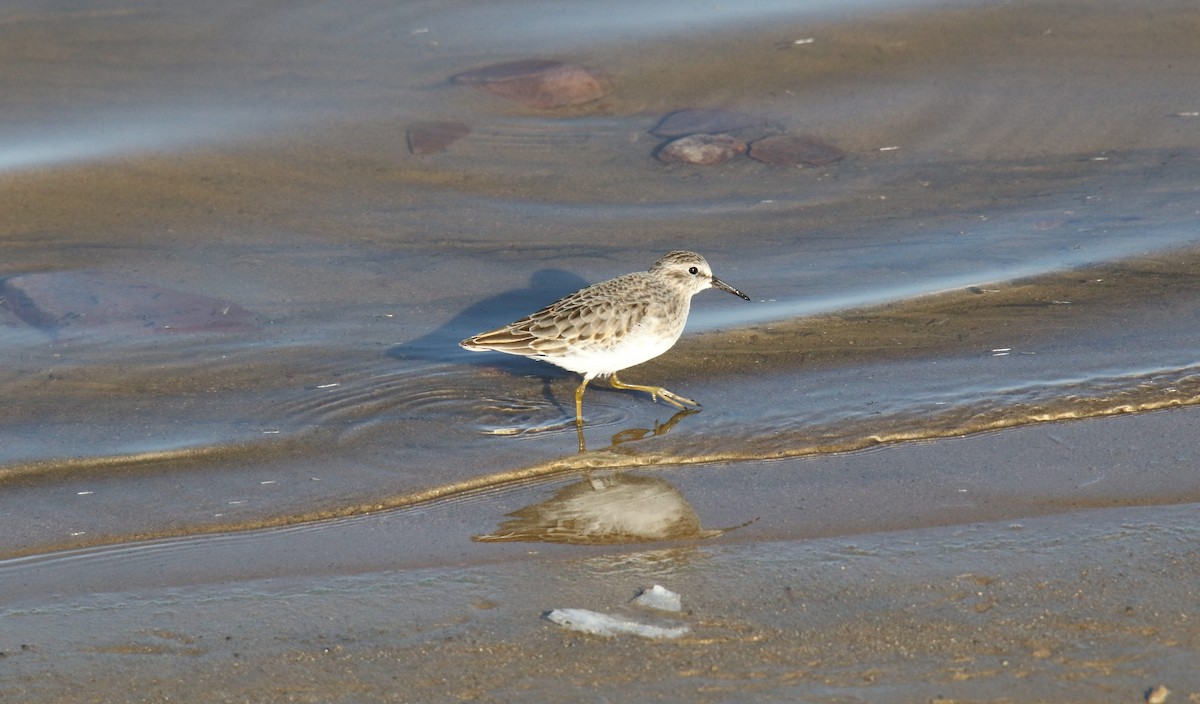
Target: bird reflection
<point>635,434</point>
<point>618,508</point>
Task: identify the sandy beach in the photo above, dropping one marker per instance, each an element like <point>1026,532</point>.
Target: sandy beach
<point>945,453</point>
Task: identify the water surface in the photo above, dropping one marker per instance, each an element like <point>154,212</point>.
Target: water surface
<point>1010,243</point>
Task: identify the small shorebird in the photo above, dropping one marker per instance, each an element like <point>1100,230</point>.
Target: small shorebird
<point>612,325</point>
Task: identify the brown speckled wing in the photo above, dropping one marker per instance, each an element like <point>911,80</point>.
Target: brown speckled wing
<point>601,314</point>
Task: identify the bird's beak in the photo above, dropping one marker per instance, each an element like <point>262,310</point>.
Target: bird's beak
<point>717,283</point>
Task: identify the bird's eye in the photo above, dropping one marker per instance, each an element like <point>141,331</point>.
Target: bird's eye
<point>693,271</point>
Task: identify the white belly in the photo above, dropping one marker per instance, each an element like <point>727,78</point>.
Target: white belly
<point>643,343</point>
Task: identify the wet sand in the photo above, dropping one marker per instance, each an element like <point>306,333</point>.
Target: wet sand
<point>867,585</point>
<point>945,455</point>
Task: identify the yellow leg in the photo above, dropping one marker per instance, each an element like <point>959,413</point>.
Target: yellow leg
<point>655,391</point>
<point>579,413</point>
<point>579,402</point>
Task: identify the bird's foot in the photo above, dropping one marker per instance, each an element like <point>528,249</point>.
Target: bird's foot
<point>655,392</point>
<point>675,400</point>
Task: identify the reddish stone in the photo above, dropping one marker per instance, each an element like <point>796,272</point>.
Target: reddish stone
<point>538,83</point>
<point>702,149</point>
<point>793,149</point>
<point>704,121</point>
<point>434,137</point>
<point>72,302</point>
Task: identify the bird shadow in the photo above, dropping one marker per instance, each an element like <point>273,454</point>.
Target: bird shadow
<point>441,344</point>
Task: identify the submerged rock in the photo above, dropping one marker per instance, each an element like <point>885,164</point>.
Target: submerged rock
<point>71,303</point>
<point>794,149</point>
<point>434,137</point>
<point>704,121</point>
<point>702,149</point>
<point>539,83</point>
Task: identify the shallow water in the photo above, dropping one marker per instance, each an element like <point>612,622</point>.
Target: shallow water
<point>1032,164</point>
<point>985,312</point>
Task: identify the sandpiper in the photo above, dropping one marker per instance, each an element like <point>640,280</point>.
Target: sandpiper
<point>613,325</point>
